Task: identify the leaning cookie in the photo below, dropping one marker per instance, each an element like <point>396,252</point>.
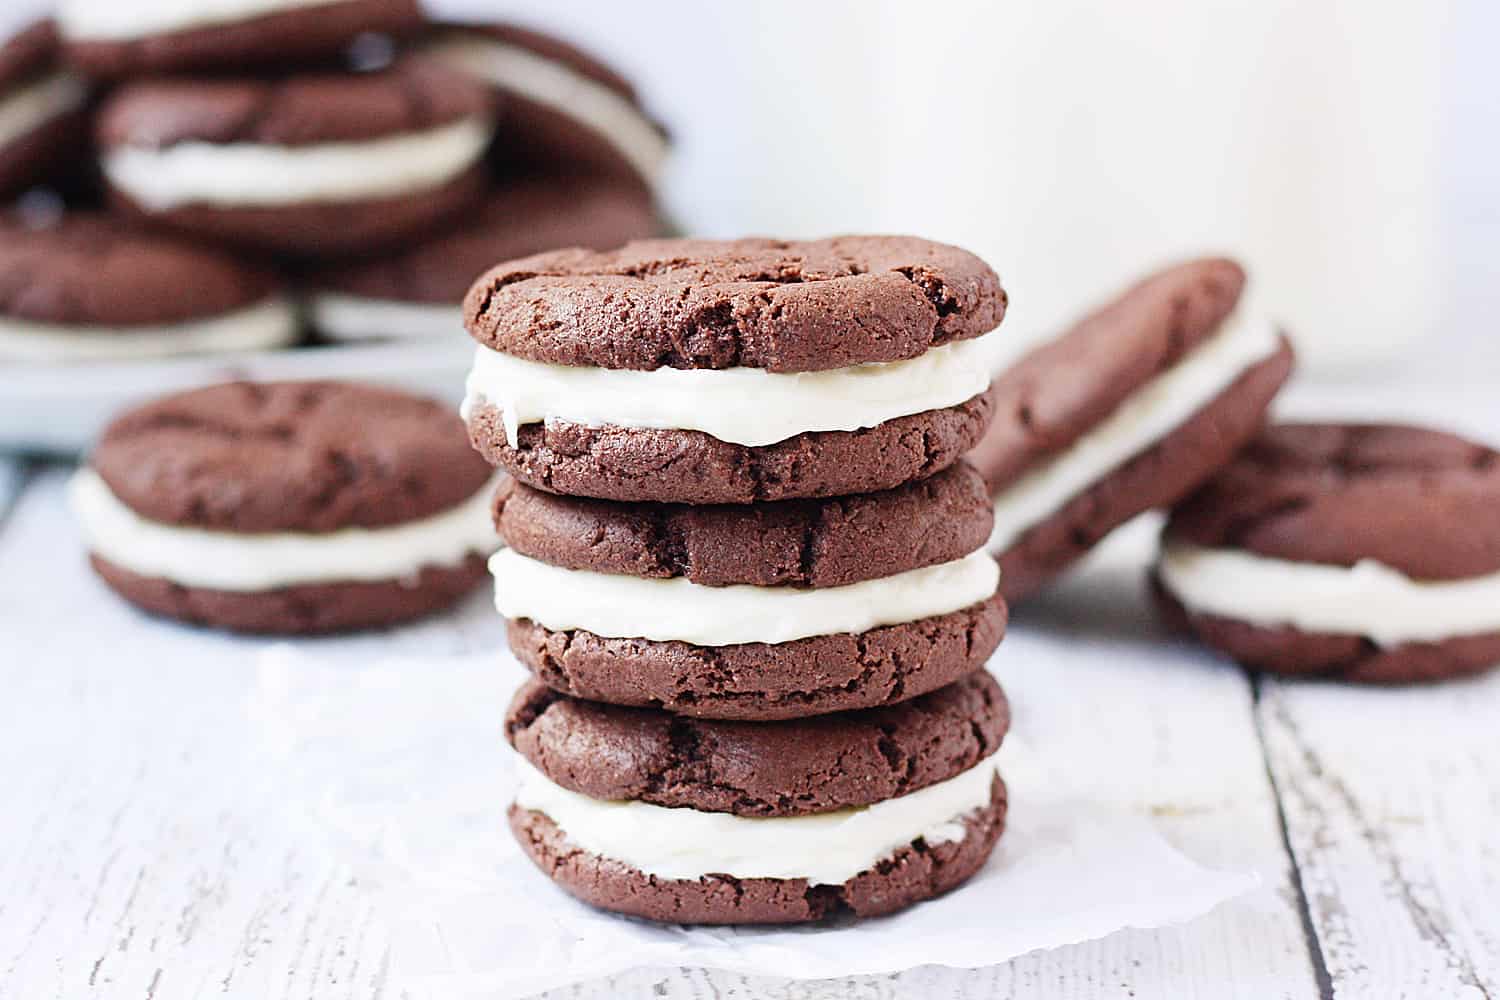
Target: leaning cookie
<point>287,507</point>
<point>1357,552</point>
<point>41,108</point>
<point>115,38</point>
<point>321,164</point>
<point>1127,411</point>
<point>700,371</point>
<point>90,288</point>
<point>759,611</point>
<point>692,821</point>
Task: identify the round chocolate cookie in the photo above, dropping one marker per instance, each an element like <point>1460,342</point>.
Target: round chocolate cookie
<point>90,288</point>
<point>42,110</point>
<point>727,822</point>
<point>1127,411</point>
<point>1357,552</point>
<point>808,544</point>
<point>290,507</point>
<point>112,39</point>
<point>317,164</point>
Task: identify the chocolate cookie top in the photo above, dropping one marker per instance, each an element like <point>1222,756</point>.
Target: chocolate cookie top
<point>92,270</point>
<point>289,456</point>
<point>804,543</point>
<point>28,54</point>
<point>554,49</point>
<point>1421,501</point>
<point>411,95</point>
<point>787,768</point>
<point>521,218</point>
<point>1059,391</point>
<point>782,306</point>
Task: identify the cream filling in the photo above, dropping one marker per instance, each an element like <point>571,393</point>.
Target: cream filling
<point>239,174</point>
<point>124,19</point>
<point>825,849</point>
<point>556,86</point>
<point>353,317</point>
<point>223,560</point>
<point>621,607</point>
<point>38,103</point>
<point>268,324</point>
<point>745,406</point>
<point>1369,599</point>
<point>1158,408</point>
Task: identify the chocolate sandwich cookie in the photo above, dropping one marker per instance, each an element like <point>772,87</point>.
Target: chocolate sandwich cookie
<point>287,507</point>
<point>418,290</point>
<point>762,611</point>
<point>90,288</point>
<point>319,164</point>
<point>42,118</point>
<point>700,371</point>
<point>1357,552</point>
<point>713,822</point>
<point>110,38</point>
<point>1128,410</point>
<point>564,110</point>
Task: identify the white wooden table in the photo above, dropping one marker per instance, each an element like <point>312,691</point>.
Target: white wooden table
<point>134,861</point>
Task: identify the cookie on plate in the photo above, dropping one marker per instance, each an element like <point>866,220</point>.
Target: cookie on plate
<point>90,288</point>
<point>702,371</point>
<point>318,164</point>
<point>287,507</point>
<point>115,38</point>
<point>1127,411</point>
<point>754,611</point>
<point>713,822</point>
<point>564,110</point>
<point>41,108</point>
<point>418,290</point>
<point>1357,552</point>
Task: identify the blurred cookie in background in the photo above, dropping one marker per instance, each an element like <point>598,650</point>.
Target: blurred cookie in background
<point>418,291</point>
<point>87,287</point>
<point>306,165</point>
<point>43,124</point>
<point>117,38</point>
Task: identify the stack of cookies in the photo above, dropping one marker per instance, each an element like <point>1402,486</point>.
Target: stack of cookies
<point>746,569</point>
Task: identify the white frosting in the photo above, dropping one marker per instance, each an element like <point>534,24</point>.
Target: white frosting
<point>746,406</point>
<point>554,85</point>
<point>1150,414</point>
<point>352,317</point>
<point>268,324</point>
<point>618,606</point>
<point>37,103</point>
<point>259,174</point>
<point>223,560</point>
<point>1368,599</point>
<point>825,849</point>
<point>123,19</point>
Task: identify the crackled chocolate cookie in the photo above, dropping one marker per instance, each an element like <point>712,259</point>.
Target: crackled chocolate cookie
<point>694,821</point>
<point>758,611</point>
<point>1357,552</point>
<point>418,290</point>
<point>287,507</point>
<point>312,164</point>
<point>42,119</point>
<point>697,371</point>
<point>1128,410</point>
<point>116,38</point>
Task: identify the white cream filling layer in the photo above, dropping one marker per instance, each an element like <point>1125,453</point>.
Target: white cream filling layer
<point>239,174</point>
<point>556,86</point>
<point>102,20</point>
<point>38,103</point>
<point>222,560</point>
<point>745,406</point>
<point>269,324</point>
<point>825,849</point>
<point>352,317</point>
<point>632,607</point>
<point>1369,599</point>
<point>1158,408</point>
